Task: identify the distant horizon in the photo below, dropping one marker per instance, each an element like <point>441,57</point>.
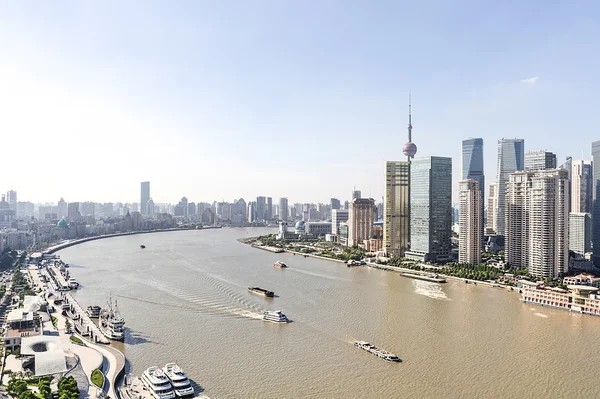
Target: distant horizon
<point>212,101</point>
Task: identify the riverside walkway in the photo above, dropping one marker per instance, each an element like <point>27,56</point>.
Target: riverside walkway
<point>84,322</point>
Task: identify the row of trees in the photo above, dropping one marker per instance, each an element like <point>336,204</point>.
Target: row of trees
<point>19,388</point>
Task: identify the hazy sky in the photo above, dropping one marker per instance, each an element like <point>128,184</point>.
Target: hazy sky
<point>305,99</point>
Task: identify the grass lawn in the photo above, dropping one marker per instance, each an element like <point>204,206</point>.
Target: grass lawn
<point>97,378</point>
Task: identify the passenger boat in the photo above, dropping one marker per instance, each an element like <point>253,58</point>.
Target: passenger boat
<point>93,311</point>
<point>279,265</point>
<point>111,323</point>
<point>377,351</point>
<point>73,283</point>
<point>261,291</point>
<point>157,383</point>
<point>179,380</point>
<point>275,316</point>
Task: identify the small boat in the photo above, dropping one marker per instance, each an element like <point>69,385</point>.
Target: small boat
<point>157,383</point>
<point>73,284</point>
<point>383,354</point>
<point>143,246</point>
<point>279,265</point>
<point>93,311</point>
<point>261,291</point>
<point>276,317</point>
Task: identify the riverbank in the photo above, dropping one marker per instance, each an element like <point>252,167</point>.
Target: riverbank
<point>58,247</point>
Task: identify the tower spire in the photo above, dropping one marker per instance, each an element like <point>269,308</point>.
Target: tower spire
<point>409,119</point>
<point>409,149</point>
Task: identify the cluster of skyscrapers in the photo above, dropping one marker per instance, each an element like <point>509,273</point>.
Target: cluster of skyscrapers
<point>539,212</point>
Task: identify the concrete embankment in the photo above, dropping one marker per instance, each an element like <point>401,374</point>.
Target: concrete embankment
<point>64,245</point>
<point>315,256</point>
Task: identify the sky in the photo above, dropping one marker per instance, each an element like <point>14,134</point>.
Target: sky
<point>303,99</point>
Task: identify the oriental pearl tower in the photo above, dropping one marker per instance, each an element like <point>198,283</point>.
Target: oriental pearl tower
<point>409,149</point>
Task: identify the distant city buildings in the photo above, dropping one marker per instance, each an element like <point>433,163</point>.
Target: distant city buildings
<point>469,238</point>
<point>596,203</point>
<point>430,209</point>
<point>283,209</point>
<point>396,211</point>
<point>511,154</point>
<point>580,234</point>
<point>269,212</point>
<point>261,208</point>
<point>11,199</point>
<point>472,168</point>
<point>335,203</point>
<point>338,216</point>
<point>581,186</point>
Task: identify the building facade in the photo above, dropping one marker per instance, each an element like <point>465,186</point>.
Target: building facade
<point>511,154</point>
<point>581,186</point>
<point>580,234</point>
<point>261,208</point>
<point>540,160</point>
<point>361,216</point>
<point>396,210</point>
<point>338,216</point>
<point>469,238</point>
<point>431,209</point>
<point>472,167</point>
<point>283,209</point>
<point>490,218</point>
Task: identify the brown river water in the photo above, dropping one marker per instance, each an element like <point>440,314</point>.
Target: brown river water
<point>185,299</point>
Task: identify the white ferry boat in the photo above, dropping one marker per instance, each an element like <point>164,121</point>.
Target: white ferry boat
<point>73,283</point>
<point>157,383</point>
<point>111,323</point>
<point>276,317</point>
<point>179,380</point>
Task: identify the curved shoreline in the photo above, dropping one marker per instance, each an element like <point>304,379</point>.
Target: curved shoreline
<point>68,244</point>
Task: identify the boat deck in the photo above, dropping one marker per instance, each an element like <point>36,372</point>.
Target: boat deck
<point>134,388</point>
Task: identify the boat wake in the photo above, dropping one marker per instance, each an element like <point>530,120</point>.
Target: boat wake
<point>306,272</point>
<point>541,315</point>
<point>431,290</point>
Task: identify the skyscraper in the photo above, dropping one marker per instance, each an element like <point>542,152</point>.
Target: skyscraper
<point>580,234</point>
<point>73,211</point>
<point>269,214</point>
<point>283,208</point>
<point>61,208</point>
<point>472,167</point>
<point>356,194</point>
<point>537,222</point>
<point>361,217</point>
<point>396,220</point>
<point>581,186</point>
<point>150,208</point>
<point>511,153</point>
<point>540,160</point>
<point>335,203</point>
<point>11,198</point>
<point>469,238</point>
<point>596,203</point>
<point>261,208</point>
<point>144,197</point>
<point>430,209</point>
<point>491,209</point>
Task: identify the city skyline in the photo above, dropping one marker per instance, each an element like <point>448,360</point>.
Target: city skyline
<point>155,117</point>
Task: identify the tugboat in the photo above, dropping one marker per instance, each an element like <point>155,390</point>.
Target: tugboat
<point>143,246</point>
<point>279,265</point>
<point>111,323</point>
<point>261,291</point>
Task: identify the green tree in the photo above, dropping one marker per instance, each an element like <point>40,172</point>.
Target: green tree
<point>16,387</point>
<point>27,394</point>
<point>44,387</point>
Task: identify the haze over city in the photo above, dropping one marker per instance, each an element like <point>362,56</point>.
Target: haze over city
<point>303,100</point>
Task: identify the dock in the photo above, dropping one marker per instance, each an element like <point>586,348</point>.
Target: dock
<point>84,325</point>
<point>424,278</point>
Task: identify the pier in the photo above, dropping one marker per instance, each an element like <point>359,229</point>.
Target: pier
<point>433,279</point>
<point>83,322</point>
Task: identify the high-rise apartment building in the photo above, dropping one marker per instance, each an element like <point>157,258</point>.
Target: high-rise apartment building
<point>469,238</point>
<point>261,208</point>
<point>396,217</point>
<point>490,218</point>
<point>144,197</point>
<point>472,167</point>
<point>335,203</point>
<point>430,209</point>
<point>581,186</point>
<point>61,209</point>
<point>511,154</point>
<point>596,203</point>
<point>537,222</point>
<point>150,208</point>
<point>361,217</point>
<point>73,211</point>
<point>283,209</point>
<point>540,160</point>
<point>251,214</point>
<point>338,216</point>
<point>580,234</point>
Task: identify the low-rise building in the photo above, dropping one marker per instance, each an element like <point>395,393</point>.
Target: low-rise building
<point>582,279</point>
<point>578,298</point>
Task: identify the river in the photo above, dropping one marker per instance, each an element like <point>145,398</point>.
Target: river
<point>185,299</point>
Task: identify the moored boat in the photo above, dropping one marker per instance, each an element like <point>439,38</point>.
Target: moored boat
<point>383,354</point>
<point>179,380</point>
<point>73,283</point>
<point>111,322</point>
<point>275,316</point>
<point>261,291</point>
<point>279,265</point>
<point>93,311</point>
<point>158,383</point>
